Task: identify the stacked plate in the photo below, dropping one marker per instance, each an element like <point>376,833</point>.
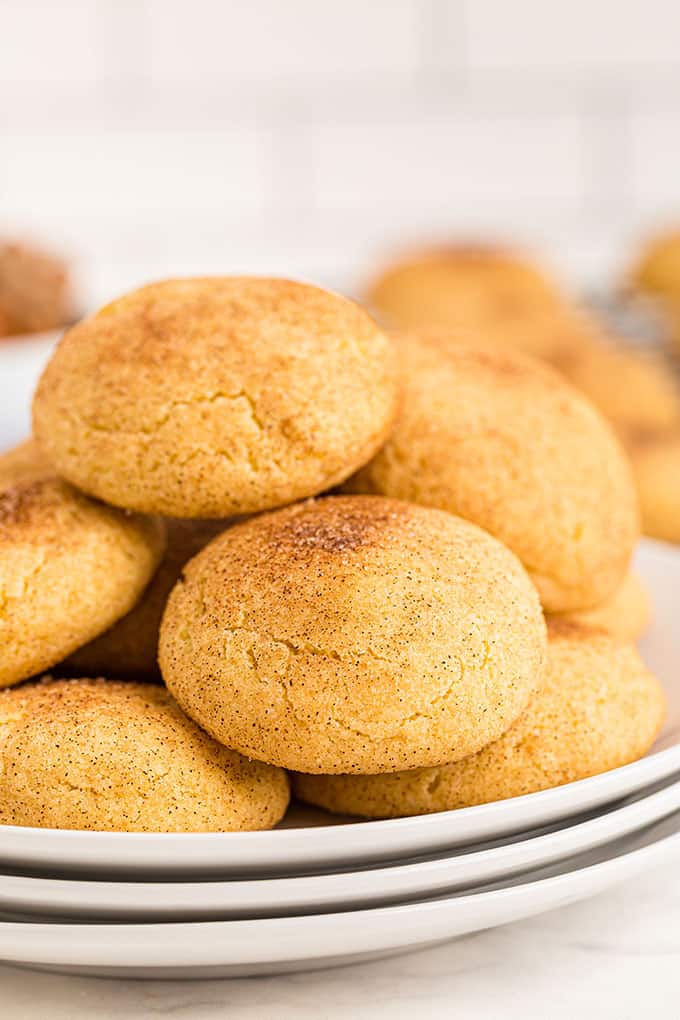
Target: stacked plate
<point>322,891</point>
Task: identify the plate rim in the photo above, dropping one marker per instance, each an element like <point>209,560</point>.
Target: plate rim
<point>574,884</point>
<point>591,834</point>
<point>648,763</point>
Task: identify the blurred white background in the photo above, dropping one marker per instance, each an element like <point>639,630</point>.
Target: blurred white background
<point>309,137</point>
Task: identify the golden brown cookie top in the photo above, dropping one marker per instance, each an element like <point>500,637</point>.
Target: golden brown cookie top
<point>450,284</point>
<point>69,566</point>
<point>45,511</point>
<point>331,529</point>
<point>206,397</point>
<point>38,508</point>
<point>353,633</point>
<point>95,754</point>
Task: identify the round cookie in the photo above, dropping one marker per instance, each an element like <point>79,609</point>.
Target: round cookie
<point>599,708</point>
<point>504,441</point>
<point>450,284</point>
<point>217,396</point>
<point>130,647</point>
<point>353,634</point>
<point>481,290</point>
<point>655,457</point>
<point>122,757</point>
<point>624,616</point>
<point>69,568</point>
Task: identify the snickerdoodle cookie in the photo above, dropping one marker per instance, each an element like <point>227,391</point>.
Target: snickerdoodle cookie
<point>353,634</point>
<point>485,290</point>
<point>130,647</point>
<point>96,754</point>
<point>504,441</point>
<point>69,567</point>
<point>450,284</point>
<point>217,396</point>
<point>625,615</point>
<point>599,707</point>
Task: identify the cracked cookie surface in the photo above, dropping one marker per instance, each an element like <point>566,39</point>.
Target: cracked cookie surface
<point>353,633</point>
<point>599,708</point>
<point>69,566</point>
<point>217,396</point>
<point>505,442</point>
<point>122,757</point>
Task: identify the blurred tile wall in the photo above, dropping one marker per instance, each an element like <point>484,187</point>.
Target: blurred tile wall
<point>310,136</point>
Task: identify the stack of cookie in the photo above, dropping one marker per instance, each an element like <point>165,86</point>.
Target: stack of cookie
<point>452,624</point>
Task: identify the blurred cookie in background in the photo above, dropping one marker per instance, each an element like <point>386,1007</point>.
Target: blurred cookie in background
<point>656,274</point>
<point>657,269</point>
<point>36,292</point>
<point>635,388</point>
<point>655,457</point>
<point>480,288</point>
<point>447,284</point>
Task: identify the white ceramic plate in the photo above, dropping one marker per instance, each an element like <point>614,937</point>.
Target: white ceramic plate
<point>281,897</point>
<point>236,948</point>
<point>345,846</point>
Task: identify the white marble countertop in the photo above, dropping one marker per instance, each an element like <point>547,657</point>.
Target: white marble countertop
<point>616,956</point>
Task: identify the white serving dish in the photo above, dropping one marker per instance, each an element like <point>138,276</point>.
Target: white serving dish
<point>266,946</point>
<point>281,897</point>
<point>360,844</point>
